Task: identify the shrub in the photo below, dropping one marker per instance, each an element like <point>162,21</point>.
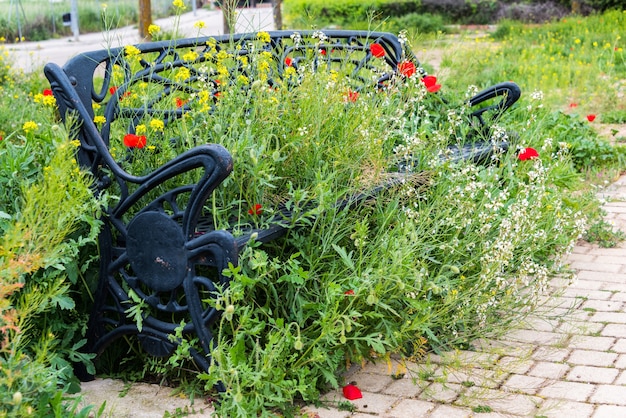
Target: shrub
<point>416,23</point>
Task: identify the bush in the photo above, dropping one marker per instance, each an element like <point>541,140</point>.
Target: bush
<point>416,23</point>
<point>352,14</point>
<point>532,12</point>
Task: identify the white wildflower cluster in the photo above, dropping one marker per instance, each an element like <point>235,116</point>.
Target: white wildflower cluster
<point>296,38</point>
<point>499,134</point>
<point>472,90</point>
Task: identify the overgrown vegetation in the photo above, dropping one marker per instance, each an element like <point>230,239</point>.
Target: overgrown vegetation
<point>425,267</point>
<point>426,16</point>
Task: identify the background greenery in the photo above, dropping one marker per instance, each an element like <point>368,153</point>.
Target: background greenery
<point>431,296</point>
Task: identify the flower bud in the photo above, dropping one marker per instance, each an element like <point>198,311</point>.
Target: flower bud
<point>17,398</point>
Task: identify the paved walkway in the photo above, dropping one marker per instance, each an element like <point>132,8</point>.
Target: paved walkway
<point>32,56</point>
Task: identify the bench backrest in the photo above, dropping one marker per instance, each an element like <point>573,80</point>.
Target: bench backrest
<point>190,68</point>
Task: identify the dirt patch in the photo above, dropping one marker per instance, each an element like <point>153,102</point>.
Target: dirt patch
<point>614,132</point>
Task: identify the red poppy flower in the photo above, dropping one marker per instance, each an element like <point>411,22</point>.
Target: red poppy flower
<point>573,105</point>
<point>288,62</point>
<point>349,292</point>
<point>377,50</point>
<point>256,209</point>
<point>180,102</point>
<point>528,154</point>
<point>112,89</point>
<point>591,117</point>
<point>407,68</point>
<point>351,392</point>
<point>47,92</point>
<point>350,96</point>
<point>430,81</point>
<point>134,141</point>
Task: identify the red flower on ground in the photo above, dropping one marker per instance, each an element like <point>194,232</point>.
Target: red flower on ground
<point>134,141</point>
<point>180,102</point>
<point>47,92</point>
<point>430,81</point>
<point>377,50</point>
<point>351,392</point>
<point>351,96</point>
<point>349,292</point>
<point>256,209</point>
<point>288,62</point>
<point>591,117</point>
<point>528,154</point>
<point>407,68</point>
<point>573,105</point>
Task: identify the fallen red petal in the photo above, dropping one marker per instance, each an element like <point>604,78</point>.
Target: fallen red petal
<point>351,392</point>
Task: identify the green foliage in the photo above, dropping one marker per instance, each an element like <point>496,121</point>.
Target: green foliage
<point>416,23</point>
<point>604,234</point>
<point>603,5</point>
<point>352,14</point>
<point>41,331</point>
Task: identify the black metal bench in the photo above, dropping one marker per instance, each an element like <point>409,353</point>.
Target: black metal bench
<point>157,247</point>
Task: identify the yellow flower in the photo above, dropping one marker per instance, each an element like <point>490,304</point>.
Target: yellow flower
<point>131,51</point>
<point>222,55</point>
<point>243,79</point>
<point>203,96</point>
<point>264,66</point>
<point>577,41</point>
<point>222,70</point>
<point>154,29</point>
<point>75,142</point>
<point>190,56</point>
<point>30,126</point>
<point>99,120</point>
<point>95,106</point>
<point>199,24</point>
<point>140,129</point>
<point>182,74</point>
<point>157,125</point>
<point>264,37</point>
<point>179,4</point>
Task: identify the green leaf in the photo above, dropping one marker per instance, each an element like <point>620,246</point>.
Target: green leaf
<point>63,301</point>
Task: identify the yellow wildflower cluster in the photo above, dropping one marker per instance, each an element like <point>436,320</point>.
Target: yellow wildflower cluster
<point>179,4</point>
<point>199,24</point>
<point>30,126</point>
<point>157,125</point>
<point>264,37</point>
<point>99,120</point>
<point>190,56</point>
<point>140,129</point>
<point>182,74</point>
<point>46,100</point>
<point>132,52</point>
<point>154,29</point>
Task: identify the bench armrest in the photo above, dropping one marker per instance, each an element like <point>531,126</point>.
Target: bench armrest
<point>509,91</point>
